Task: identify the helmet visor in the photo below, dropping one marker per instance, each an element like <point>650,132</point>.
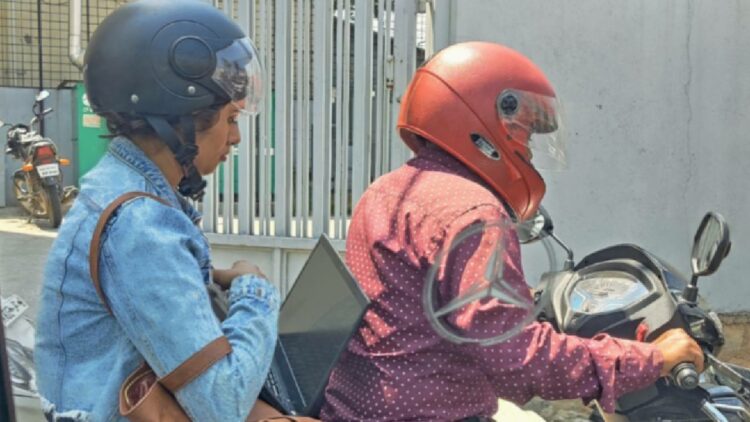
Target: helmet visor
<point>536,122</point>
<point>239,74</point>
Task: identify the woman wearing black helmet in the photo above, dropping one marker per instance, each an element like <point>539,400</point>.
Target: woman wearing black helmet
<point>171,78</point>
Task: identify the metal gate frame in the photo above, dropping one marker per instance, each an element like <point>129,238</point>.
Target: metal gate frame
<point>306,159</point>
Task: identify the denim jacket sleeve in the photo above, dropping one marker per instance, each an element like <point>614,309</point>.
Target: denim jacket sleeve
<point>151,275</point>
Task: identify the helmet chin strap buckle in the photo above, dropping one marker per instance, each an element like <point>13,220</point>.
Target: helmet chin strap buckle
<point>192,185</point>
<point>185,150</point>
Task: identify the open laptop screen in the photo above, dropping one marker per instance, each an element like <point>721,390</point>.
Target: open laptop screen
<point>317,319</point>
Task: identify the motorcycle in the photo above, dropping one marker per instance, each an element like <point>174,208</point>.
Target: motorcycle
<point>628,292</point>
<point>19,339</point>
<point>38,184</point>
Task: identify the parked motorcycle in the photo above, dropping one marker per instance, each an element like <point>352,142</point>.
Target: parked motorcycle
<point>38,184</point>
<point>630,293</point>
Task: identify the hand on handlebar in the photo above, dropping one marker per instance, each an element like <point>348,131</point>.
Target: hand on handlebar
<point>676,346</point>
<point>224,277</point>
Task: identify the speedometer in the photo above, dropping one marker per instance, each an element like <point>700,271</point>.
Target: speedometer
<point>606,291</point>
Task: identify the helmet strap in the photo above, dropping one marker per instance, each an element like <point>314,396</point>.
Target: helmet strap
<point>192,184</point>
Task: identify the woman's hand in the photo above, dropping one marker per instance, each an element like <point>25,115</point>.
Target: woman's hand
<point>224,277</point>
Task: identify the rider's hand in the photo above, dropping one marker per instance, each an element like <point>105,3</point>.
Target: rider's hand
<point>676,346</point>
<point>224,277</point>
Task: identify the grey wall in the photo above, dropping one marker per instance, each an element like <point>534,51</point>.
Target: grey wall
<point>657,97</point>
<point>15,107</point>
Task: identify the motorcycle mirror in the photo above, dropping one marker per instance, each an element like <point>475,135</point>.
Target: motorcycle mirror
<point>2,123</point>
<point>42,95</point>
<point>535,228</point>
<point>711,245</point>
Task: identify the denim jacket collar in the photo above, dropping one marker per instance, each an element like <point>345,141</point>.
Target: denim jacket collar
<point>125,150</point>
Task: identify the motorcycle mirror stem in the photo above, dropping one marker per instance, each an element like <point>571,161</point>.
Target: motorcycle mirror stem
<point>569,262</point>
<point>540,226</point>
<point>710,246</point>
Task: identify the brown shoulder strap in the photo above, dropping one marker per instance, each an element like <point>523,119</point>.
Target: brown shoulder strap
<point>196,364</point>
<point>202,359</point>
<point>96,239</point>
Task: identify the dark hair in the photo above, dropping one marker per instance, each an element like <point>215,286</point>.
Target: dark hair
<point>132,125</point>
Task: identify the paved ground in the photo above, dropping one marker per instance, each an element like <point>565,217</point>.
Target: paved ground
<point>23,251</point>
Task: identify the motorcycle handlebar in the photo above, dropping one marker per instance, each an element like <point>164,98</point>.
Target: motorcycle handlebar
<point>685,375</point>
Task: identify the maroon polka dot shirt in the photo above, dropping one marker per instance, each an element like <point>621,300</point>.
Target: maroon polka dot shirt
<point>398,368</point>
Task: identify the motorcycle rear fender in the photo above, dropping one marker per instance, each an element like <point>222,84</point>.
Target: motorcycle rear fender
<point>51,181</point>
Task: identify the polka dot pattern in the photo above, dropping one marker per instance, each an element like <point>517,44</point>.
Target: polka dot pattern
<point>397,368</point>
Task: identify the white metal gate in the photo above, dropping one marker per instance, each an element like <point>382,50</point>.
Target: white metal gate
<point>335,70</point>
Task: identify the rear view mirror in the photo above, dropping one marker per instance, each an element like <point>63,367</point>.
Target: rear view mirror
<point>711,245</point>
<point>42,95</point>
<point>535,228</point>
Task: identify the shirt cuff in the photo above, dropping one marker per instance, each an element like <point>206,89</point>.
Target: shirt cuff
<point>256,288</point>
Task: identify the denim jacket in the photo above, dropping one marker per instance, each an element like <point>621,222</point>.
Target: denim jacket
<point>154,267</point>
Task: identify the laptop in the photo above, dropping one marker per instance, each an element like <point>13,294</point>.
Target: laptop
<point>319,316</point>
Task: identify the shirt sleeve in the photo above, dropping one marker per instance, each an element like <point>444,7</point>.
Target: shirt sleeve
<point>538,360</point>
<point>153,281</point>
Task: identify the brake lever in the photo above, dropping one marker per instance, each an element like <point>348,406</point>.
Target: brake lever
<point>735,380</point>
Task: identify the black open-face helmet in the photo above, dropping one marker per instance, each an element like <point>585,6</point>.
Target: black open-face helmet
<point>164,60</point>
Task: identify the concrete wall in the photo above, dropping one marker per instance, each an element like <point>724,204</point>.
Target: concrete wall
<point>657,97</point>
<point>15,107</point>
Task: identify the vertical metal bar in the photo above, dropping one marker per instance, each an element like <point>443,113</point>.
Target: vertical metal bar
<point>322,36</point>
<point>387,89</point>
<point>266,121</point>
<point>339,107</point>
<point>228,194</point>
<point>305,138</point>
<point>246,185</point>
<point>379,88</point>
<point>345,117</point>
<point>209,206</point>
<point>282,111</point>
<point>404,55</point>
<point>442,23</point>
<point>40,58</point>
<point>362,110</point>
<point>298,127</point>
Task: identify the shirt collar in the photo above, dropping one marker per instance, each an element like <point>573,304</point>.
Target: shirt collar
<point>128,152</point>
<point>451,165</point>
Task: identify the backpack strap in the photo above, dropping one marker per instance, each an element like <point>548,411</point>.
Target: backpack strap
<point>195,364</point>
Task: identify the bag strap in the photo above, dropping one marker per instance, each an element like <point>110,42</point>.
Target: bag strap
<point>96,239</point>
<point>195,364</point>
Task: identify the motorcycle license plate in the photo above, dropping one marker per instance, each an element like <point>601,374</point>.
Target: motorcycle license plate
<point>13,307</point>
<point>48,170</point>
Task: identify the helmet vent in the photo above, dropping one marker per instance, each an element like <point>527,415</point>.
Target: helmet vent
<point>485,147</point>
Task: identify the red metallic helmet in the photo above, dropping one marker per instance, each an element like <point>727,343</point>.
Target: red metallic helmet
<point>492,109</point>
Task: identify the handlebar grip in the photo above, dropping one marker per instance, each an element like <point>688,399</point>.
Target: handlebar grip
<point>685,375</point>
